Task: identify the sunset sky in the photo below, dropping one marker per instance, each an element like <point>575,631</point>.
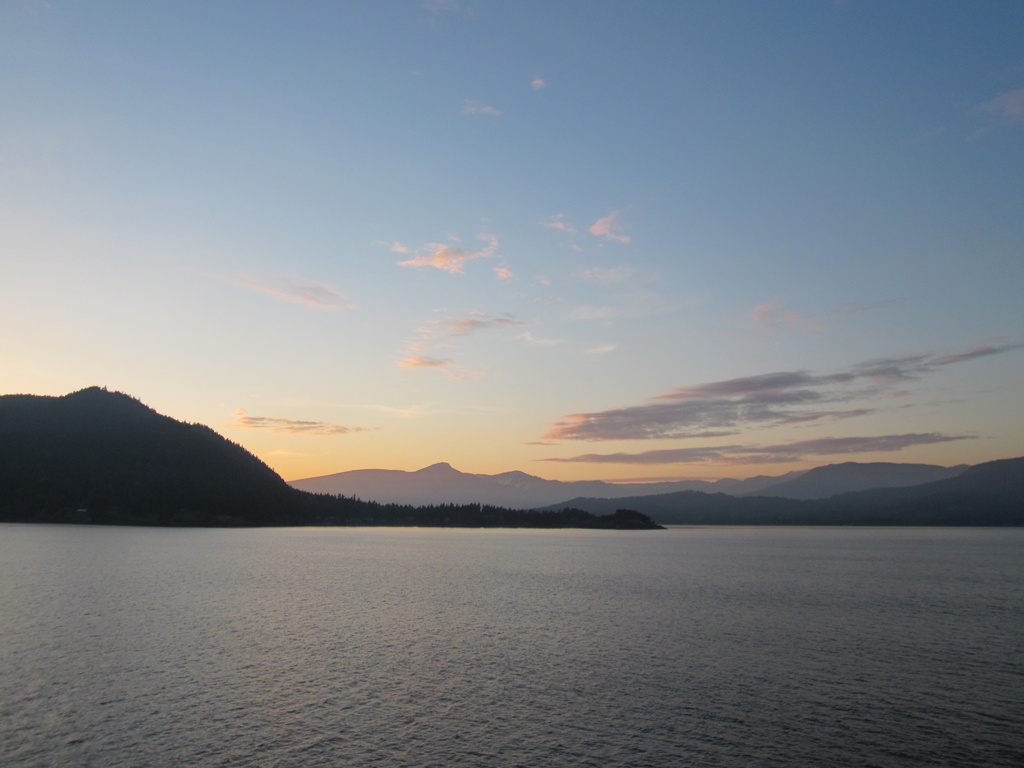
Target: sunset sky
<point>583,239</point>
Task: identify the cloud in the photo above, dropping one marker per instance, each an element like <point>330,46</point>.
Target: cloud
<point>538,83</point>
<point>450,259</point>
<point>473,107</point>
<point>312,294</point>
<point>394,246</point>
<point>591,312</point>
<point>463,326</point>
<point>445,365</point>
<point>409,412</point>
<point>1008,106</point>
<point>528,337</point>
<point>772,399</point>
<point>771,454</point>
<point>292,426</point>
<point>974,353</point>
<point>558,222</point>
<point>602,350</point>
<point>437,334</point>
<point>608,228</point>
<point>615,275</point>
<point>770,317</point>
<point>503,273</point>
<point>436,363</point>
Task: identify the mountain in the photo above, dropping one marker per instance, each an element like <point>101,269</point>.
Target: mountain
<point>95,456</point>
<point>442,484</point>
<point>832,479</point>
<point>100,456</point>
<point>984,495</point>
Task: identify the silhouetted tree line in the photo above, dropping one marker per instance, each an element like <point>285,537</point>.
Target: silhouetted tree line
<point>103,457</point>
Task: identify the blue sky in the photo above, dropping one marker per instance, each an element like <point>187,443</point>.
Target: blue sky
<point>579,239</point>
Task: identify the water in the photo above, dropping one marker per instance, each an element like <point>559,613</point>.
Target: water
<point>432,647</point>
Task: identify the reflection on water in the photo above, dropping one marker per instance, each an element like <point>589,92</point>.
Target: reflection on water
<point>433,647</point>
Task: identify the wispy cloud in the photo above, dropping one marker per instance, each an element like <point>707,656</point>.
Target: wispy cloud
<point>441,334</point>
<point>437,363</point>
<point>449,258</point>
<point>538,83</point>
<point>479,321</point>
<point>592,312</point>
<point>503,273</point>
<point>444,365</point>
<point>609,228</point>
<point>1007,106</point>
<point>473,107</point>
<point>559,222</point>
<point>772,316</point>
<point>293,426</point>
<point>772,399</point>
<point>529,337</point>
<point>770,454</point>
<point>615,275</point>
<point>602,350</point>
<point>312,294</point>
<point>394,246</point>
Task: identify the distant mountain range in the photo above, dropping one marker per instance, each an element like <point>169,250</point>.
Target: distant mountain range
<point>832,479</point>
<point>442,484</point>
<point>95,456</point>
<point>985,495</point>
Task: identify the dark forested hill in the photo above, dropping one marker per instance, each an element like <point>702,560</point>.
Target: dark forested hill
<point>99,456</point>
<point>95,456</point>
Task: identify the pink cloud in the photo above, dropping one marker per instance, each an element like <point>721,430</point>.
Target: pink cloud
<point>538,83</point>
<point>770,317</point>
<point>480,321</point>
<point>608,228</point>
<point>450,259</point>
<point>293,426</point>
<point>426,362</point>
<point>503,273</point>
<point>444,365</point>
<point>558,222</point>
<point>309,293</point>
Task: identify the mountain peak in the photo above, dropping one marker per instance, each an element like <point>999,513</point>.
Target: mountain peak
<point>441,468</point>
<point>101,397</point>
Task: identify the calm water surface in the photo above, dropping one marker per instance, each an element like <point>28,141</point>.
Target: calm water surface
<point>432,647</point>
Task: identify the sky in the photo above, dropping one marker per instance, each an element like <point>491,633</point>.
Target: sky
<point>582,239</point>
